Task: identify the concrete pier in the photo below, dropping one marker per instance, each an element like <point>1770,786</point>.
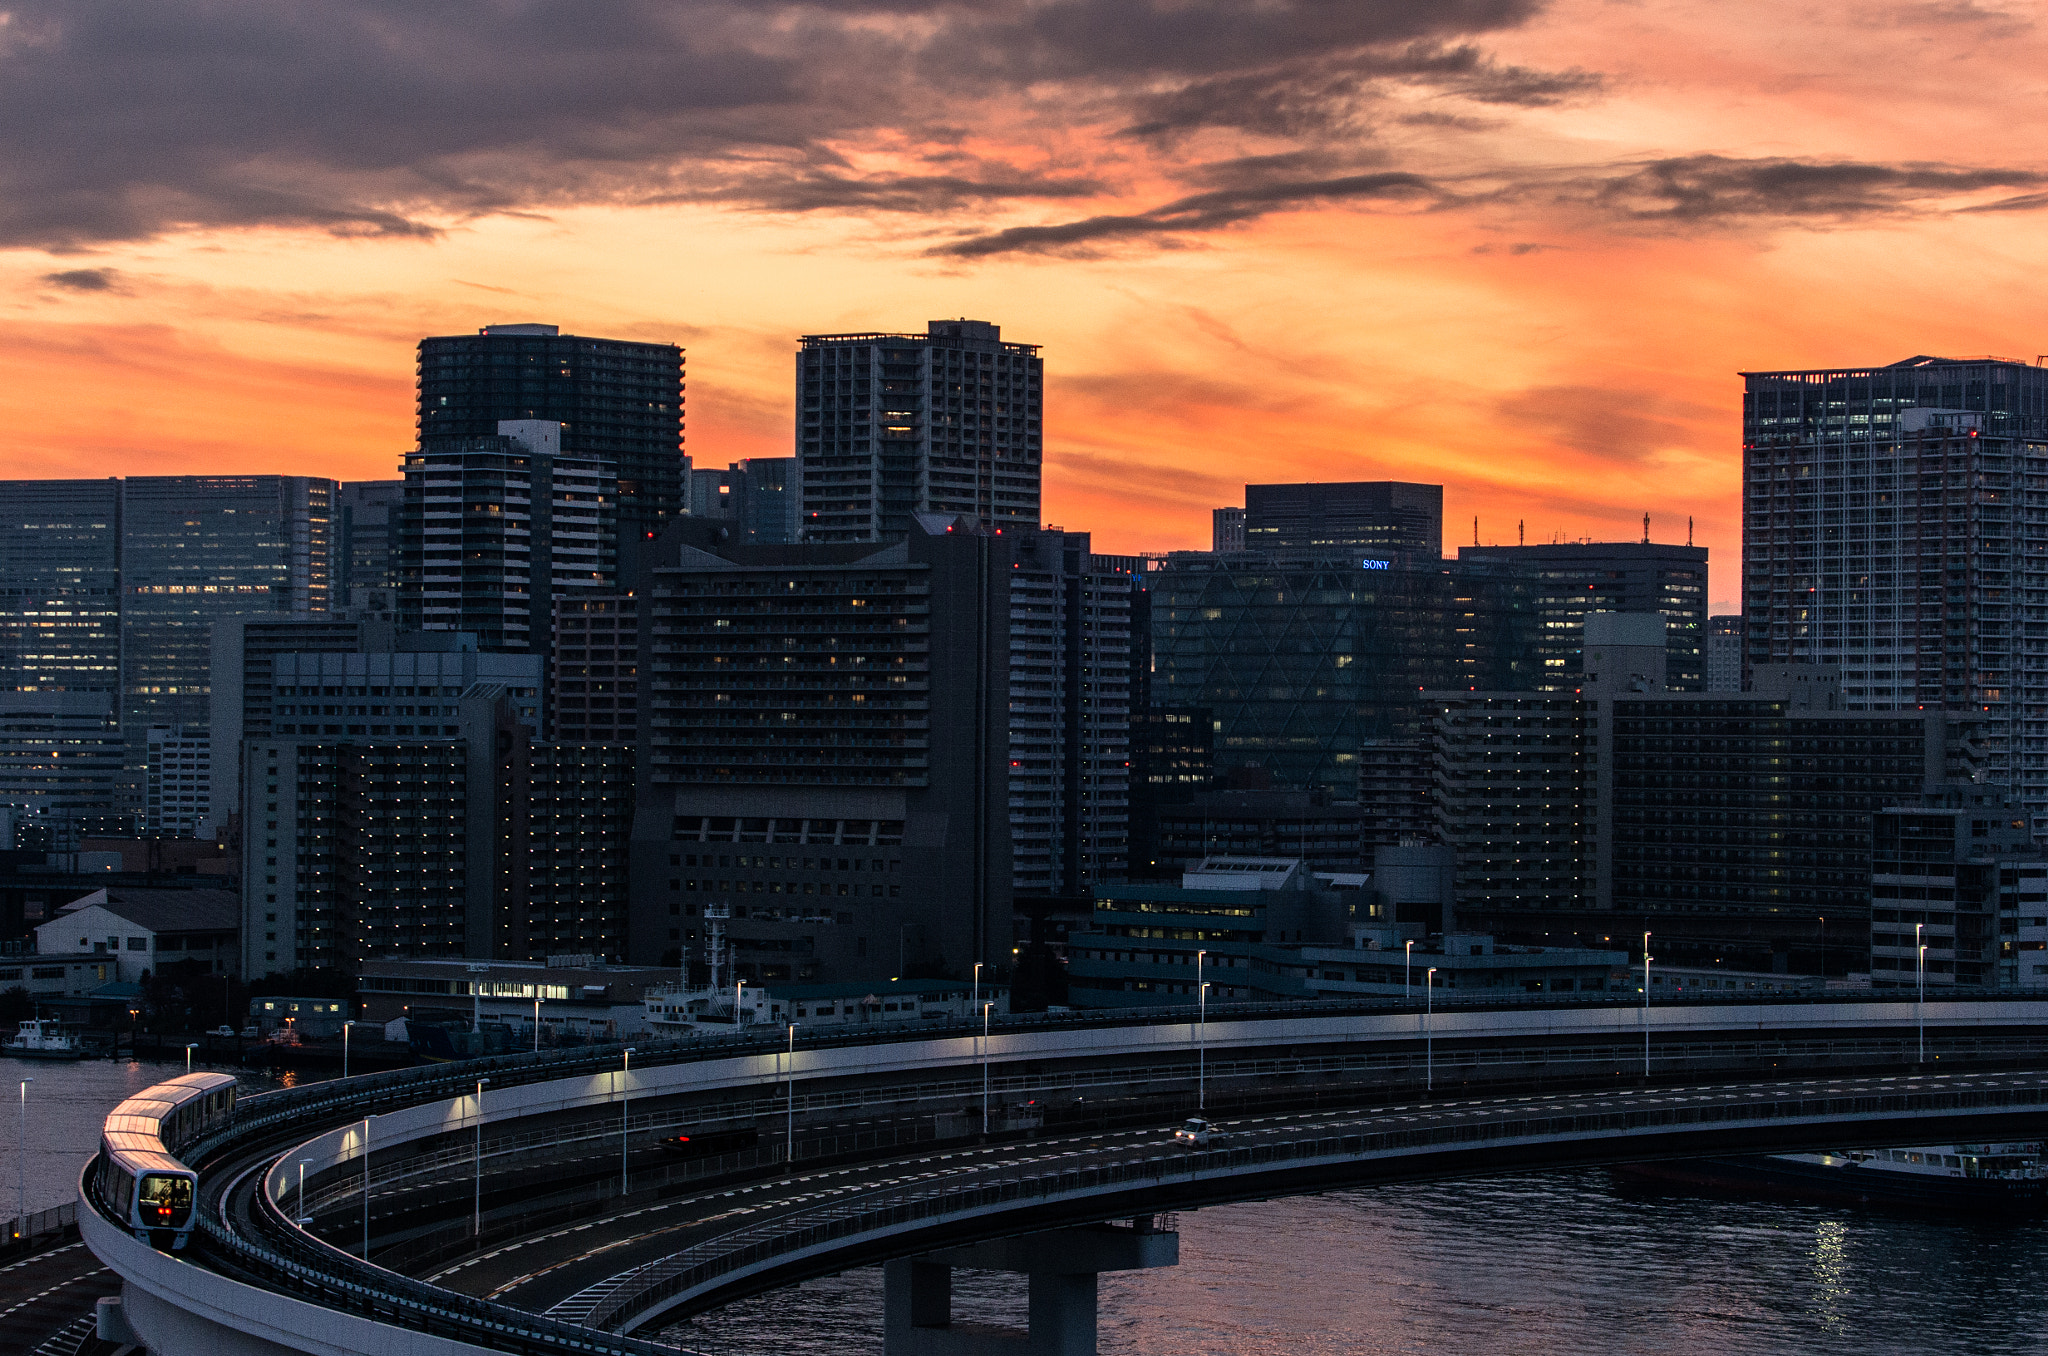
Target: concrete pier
<point>1061,1265</point>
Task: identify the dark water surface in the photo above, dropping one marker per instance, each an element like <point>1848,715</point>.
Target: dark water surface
<point>1536,1263</point>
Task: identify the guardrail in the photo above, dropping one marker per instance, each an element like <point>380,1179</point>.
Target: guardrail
<point>24,1233</point>
<point>698,1267</point>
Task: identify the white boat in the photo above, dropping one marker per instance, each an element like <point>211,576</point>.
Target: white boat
<point>43,1039</point>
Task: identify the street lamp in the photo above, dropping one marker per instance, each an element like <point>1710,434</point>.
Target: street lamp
<point>977,987</point>
<point>304,1218</point>
<point>536,1019</point>
<point>625,1069</point>
<point>21,1222</point>
<point>1407,967</point>
<point>739,992</point>
<point>188,1057</point>
<point>346,1027</point>
<point>1202,1053</point>
<point>986,1008</point>
<point>1646,1005</point>
<point>789,1109</point>
<point>476,1214</point>
<point>1428,1031</point>
<point>366,1188</point>
<point>1920,989</point>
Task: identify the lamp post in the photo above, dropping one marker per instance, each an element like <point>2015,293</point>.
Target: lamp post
<point>476,1213</point>
<point>1407,969</point>
<point>346,1027</point>
<point>977,987</point>
<point>21,1220</point>
<point>536,1021</point>
<point>1428,1030</point>
<point>626,1069</point>
<point>789,1105</point>
<point>476,997</point>
<point>739,992</point>
<point>188,1060</point>
<point>366,1188</point>
<point>304,1218</point>
<point>1646,1005</point>
<point>986,1008</point>
<point>1202,1053</point>
<point>1920,984</point>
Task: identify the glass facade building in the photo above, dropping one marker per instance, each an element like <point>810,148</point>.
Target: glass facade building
<point>1576,578</point>
<point>60,586</point>
<point>1302,660</point>
<point>1361,515</point>
<point>616,400</point>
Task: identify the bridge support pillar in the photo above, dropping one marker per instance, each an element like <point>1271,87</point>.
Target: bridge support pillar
<point>1061,1264</point>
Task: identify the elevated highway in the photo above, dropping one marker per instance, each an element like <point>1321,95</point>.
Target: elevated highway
<point>1316,1099</point>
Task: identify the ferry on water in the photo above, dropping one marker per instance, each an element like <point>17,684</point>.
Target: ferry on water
<point>43,1039</point>
<point>2006,1178</point>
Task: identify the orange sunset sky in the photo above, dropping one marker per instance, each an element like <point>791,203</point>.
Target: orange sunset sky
<point>1520,249</point>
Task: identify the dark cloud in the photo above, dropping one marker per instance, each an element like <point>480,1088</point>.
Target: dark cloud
<point>1199,212</point>
<point>1627,428</point>
<point>382,117</point>
<point>84,279</point>
<point>1716,189</point>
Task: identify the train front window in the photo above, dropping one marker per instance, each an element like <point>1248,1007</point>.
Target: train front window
<point>164,1200</point>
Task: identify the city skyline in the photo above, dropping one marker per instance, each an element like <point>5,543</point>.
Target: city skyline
<point>1519,250</point>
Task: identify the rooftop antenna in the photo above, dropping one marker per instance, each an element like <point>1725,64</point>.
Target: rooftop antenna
<point>1475,529</point>
<point>1646,529</point>
<point>1521,539</point>
<point>1688,529</point>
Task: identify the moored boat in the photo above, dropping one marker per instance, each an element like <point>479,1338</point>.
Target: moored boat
<point>42,1038</point>
<point>2003,1178</point>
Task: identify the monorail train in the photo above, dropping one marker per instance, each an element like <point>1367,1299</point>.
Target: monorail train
<point>140,1178</point>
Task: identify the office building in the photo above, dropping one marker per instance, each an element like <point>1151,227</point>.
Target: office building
<point>1306,826</point>
<point>177,784</point>
<point>1226,529</point>
<point>1887,513</point>
<point>1724,654</point>
<point>1728,824</point>
<point>1956,871</point>
<point>61,766</point>
<point>497,527</point>
<point>618,401</point>
<point>824,749</point>
<point>60,586</point>
<point>1172,758</point>
<point>1303,660</point>
<point>757,500</point>
<point>1576,579</point>
<point>566,815</point>
<point>1069,714</point>
<point>367,516</point>
<point>196,550</point>
<point>893,425</point>
<point>594,684</point>
<point>1372,517</point>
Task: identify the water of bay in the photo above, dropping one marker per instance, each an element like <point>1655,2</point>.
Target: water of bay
<point>1543,1262</point>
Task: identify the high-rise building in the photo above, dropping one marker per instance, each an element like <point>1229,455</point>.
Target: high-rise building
<point>1724,654</point>
<point>756,500</point>
<point>618,401</point>
<point>61,765</point>
<point>1070,714</point>
<point>1303,659</point>
<point>178,785</point>
<point>60,586</point>
<point>893,425</point>
<point>1575,579</point>
<point>366,537</point>
<point>1956,872</point>
<point>565,814</point>
<point>497,527</point>
<point>824,748</point>
<point>1891,517</point>
<point>196,550</point>
<point>1376,517</point>
<point>1226,529</point>
<point>595,684</point>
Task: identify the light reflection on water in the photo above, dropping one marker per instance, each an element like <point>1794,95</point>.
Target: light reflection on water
<point>1549,1262</point>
